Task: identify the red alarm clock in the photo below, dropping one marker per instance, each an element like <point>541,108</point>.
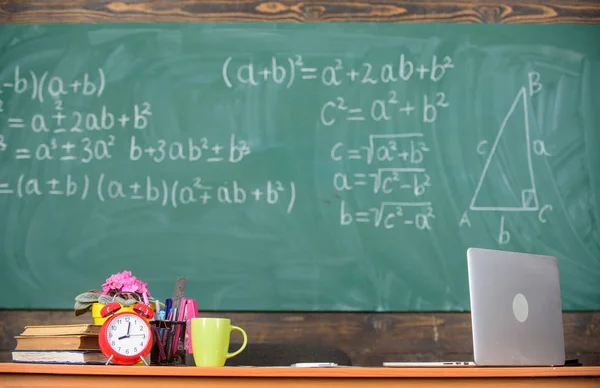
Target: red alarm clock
<point>126,338</point>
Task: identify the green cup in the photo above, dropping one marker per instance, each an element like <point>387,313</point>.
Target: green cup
<point>210,340</point>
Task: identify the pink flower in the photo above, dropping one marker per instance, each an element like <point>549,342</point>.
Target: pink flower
<point>113,283</point>
<point>130,285</point>
<point>142,287</point>
<point>125,282</point>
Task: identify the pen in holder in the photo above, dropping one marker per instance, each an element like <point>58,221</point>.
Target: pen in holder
<point>168,342</point>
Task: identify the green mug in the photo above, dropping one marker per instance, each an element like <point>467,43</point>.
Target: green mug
<point>210,340</point>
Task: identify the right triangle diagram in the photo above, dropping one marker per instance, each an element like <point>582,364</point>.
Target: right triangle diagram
<point>507,181</point>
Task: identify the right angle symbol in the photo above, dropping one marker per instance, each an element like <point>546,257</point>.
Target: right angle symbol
<point>507,181</point>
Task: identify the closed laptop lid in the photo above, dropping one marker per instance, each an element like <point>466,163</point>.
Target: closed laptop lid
<point>516,308</point>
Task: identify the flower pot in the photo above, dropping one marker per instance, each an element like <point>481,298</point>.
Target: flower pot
<point>97,307</point>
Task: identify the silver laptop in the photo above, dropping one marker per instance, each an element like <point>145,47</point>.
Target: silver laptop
<point>516,309</point>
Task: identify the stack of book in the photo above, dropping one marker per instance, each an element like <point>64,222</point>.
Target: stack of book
<point>59,344</point>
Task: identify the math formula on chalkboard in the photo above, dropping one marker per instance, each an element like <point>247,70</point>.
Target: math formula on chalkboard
<point>69,137</point>
<point>390,166</point>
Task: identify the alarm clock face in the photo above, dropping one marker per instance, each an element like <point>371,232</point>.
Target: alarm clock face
<point>128,334</point>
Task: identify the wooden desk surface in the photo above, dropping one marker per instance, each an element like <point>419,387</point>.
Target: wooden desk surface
<point>19,375</point>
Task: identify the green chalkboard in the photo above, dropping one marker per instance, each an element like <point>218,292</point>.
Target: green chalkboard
<point>296,167</point>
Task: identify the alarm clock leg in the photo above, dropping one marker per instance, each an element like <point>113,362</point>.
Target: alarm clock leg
<point>144,360</point>
<point>110,358</point>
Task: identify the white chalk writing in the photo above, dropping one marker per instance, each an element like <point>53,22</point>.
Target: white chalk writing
<point>286,71</point>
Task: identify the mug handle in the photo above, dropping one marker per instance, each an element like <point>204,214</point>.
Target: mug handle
<point>229,355</point>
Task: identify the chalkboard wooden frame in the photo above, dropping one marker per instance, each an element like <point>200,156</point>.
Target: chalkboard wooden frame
<point>478,11</point>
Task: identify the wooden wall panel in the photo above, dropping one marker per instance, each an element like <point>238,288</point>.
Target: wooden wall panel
<point>473,11</point>
<point>368,338</point>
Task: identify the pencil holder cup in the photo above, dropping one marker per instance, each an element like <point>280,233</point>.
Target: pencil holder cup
<point>168,339</point>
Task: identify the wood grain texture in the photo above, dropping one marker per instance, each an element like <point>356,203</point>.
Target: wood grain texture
<point>61,381</point>
<point>475,11</point>
<point>374,372</point>
<point>367,338</point>
<point>84,376</point>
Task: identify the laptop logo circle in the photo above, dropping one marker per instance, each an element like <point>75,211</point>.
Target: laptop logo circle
<point>520,307</point>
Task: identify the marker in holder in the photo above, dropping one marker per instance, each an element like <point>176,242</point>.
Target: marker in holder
<point>168,343</point>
